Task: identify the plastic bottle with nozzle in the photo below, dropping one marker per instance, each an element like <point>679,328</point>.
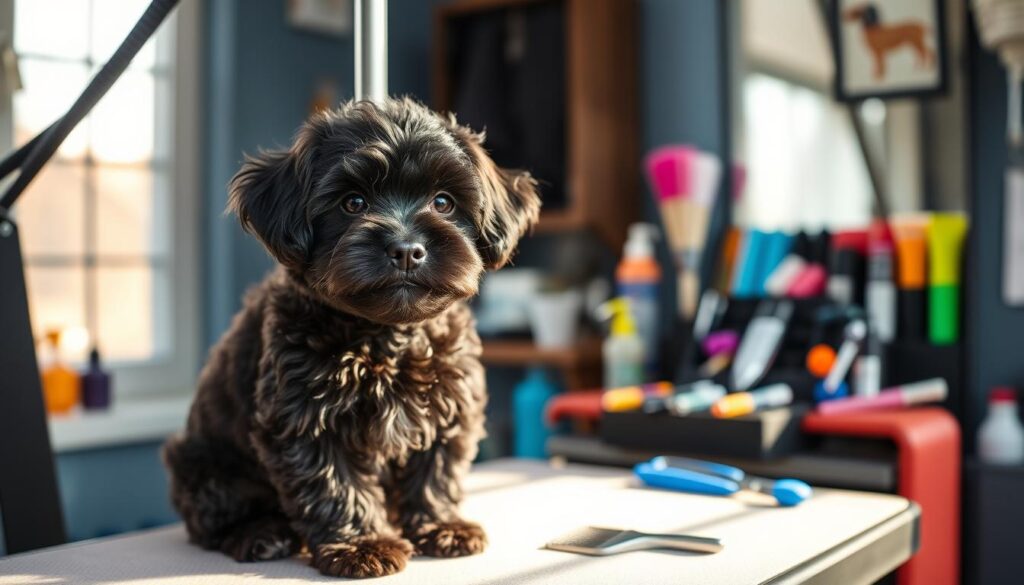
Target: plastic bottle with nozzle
<point>637,278</point>
<point>623,350</point>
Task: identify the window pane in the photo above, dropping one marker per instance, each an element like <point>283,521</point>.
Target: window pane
<point>125,312</point>
<point>125,210</point>
<point>55,28</point>
<point>57,301</point>
<point>51,212</point>
<point>49,90</point>
<point>122,124</point>
<point>111,22</point>
<point>805,169</point>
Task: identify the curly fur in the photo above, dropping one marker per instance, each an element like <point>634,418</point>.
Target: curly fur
<point>344,404</point>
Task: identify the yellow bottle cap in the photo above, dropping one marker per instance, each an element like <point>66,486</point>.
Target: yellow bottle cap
<point>622,318</point>
<point>945,240</point>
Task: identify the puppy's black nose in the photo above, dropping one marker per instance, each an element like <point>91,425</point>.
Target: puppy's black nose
<point>406,255</point>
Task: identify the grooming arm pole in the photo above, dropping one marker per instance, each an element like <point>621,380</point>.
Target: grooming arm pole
<point>371,49</point>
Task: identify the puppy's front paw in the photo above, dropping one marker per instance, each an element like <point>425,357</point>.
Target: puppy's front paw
<point>261,540</point>
<point>449,539</point>
<point>369,556</point>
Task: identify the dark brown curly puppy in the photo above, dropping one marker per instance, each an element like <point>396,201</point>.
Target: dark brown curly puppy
<point>345,403</point>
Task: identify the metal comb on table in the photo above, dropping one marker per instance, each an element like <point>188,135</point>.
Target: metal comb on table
<point>609,541</point>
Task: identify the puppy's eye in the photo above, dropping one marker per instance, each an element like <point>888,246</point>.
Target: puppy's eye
<point>443,203</point>
<point>354,204</point>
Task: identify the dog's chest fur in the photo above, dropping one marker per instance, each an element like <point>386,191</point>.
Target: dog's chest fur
<point>385,391</point>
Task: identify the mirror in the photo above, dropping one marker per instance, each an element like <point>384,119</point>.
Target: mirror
<point>814,162</point>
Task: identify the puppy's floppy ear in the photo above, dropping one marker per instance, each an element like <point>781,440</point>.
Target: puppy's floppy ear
<point>270,194</point>
<point>510,203</point>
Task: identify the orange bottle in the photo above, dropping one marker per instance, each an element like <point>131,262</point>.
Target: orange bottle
<point>62,386</point>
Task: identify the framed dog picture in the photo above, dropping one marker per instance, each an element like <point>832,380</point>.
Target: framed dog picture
<point>888,48</point>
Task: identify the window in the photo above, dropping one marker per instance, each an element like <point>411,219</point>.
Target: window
<point>109,255</point>
<point>805,165</point>
<point>806,170</point>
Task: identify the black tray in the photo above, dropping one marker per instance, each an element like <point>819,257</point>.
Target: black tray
<point>762,435</point>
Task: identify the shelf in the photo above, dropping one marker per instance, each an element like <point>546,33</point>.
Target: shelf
<point>559,220</point>
<point>129,421</point>
<point>586,353</point>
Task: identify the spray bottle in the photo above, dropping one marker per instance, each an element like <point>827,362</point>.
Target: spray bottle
<point>637,278</point>
<point>623,350</point>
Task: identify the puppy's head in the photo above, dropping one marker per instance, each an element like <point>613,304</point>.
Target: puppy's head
<point>387,211</point>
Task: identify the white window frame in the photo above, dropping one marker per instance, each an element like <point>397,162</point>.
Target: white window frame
<point>172,372</point>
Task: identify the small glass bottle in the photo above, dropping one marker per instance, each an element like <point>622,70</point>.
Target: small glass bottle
<point>61,384</point>
<point>95,384</point>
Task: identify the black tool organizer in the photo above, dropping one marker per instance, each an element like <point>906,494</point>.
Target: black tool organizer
<point>773,433</point>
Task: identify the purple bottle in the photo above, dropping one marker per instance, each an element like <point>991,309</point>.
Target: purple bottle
<point>95,384</point>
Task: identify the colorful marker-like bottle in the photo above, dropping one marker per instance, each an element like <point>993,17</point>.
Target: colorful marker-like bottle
<point>632,397</point>
<point>945,239</point>
<point>701,398</point>
<point>912,279</point>
<point>933,390</point>
<point>833,386</point>
<point>743,403</point>
<point>880,291</point>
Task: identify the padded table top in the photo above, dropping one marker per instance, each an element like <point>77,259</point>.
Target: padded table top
<point>834,537</point>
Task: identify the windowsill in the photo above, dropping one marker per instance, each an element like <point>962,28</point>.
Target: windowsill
<point>128,421</point>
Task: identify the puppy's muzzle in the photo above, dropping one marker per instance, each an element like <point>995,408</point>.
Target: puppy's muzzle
<point>406,256</point>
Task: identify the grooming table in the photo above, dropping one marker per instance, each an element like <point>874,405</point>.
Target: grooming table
<point>835,537</point>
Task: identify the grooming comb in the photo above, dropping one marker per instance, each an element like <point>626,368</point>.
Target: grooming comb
<point>609,541</point>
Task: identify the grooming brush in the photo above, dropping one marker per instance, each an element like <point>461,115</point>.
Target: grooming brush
<point>706,176</point>
<point>670,172</point>
<point>717,479</point>
<point>760,344</point>
<point>610,541</point>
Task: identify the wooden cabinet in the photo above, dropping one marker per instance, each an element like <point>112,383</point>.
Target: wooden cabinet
<point>601,171</point>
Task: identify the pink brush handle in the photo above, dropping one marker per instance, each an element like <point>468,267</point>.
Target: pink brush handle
<point>890,399</point>
<point>931,390</point>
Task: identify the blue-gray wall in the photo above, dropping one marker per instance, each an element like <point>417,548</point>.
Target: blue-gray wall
<point>684,98</point>
<point>995,353</point>
<point>681,74</point>
<point>113,490</point>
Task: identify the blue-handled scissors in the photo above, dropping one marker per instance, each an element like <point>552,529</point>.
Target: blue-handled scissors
<point>717,479</point>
